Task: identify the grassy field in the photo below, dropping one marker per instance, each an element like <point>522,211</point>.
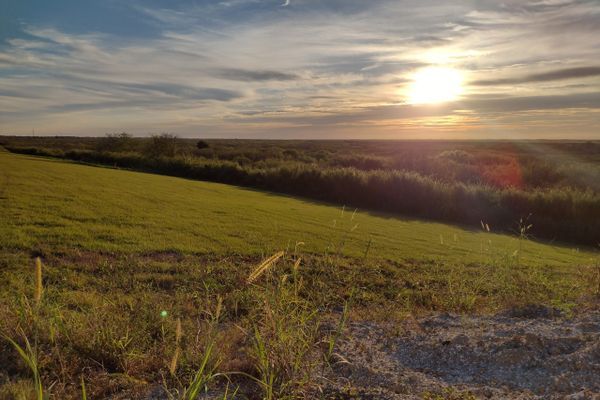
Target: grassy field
<point>144,284</point>
<point>53,205</point>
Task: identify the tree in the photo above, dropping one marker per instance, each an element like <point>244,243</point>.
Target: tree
<point>115,142</point>
<point>201,144</point>
<point>163,145</point>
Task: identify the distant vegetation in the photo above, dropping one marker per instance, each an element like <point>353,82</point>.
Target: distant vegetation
<point>551,187</point>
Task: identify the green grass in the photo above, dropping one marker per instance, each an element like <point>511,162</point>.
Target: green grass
<point>119,248</point>
<point>50,205</point>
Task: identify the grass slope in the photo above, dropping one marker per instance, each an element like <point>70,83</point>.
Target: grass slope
<point>130,259</point>
<point>53,205</point>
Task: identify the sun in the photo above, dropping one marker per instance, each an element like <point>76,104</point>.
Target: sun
<point>433,85</point>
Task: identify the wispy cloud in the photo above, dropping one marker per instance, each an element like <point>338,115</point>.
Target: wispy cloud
<point>555,75</point>
<point>248,67</point>
<point>244,75</point>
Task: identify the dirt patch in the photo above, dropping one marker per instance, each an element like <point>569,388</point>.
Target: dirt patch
<point>527,356</point>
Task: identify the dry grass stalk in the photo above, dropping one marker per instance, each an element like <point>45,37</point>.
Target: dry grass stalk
<point>266,264</point>
<point>297,264</point>
<point>178,332</point>
<point>219,308</point>
<point>39,287</point>
<point>175,359</point>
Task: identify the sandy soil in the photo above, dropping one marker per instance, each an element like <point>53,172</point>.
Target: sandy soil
<point>522,354</point>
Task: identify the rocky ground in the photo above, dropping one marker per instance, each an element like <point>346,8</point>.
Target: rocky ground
<point>522,354</point>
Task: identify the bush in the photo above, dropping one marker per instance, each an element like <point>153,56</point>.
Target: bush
<point>201,144</point>
<point>163,145</point>
<point>115,142</point>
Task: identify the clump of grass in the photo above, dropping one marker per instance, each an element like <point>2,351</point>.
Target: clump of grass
<point>204,374</point>
<point>524,228</point>
<point>591,276</point>
<point>336,247</point>
<point>285,336</point>
<point>29,356</point>
<point>335,336</point>
<point>209,363</point>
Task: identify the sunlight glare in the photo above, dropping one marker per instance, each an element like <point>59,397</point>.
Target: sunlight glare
<point>435,85</point>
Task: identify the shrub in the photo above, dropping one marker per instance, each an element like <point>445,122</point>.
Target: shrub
<point>163,145</point>
<point>201,144</point>
<point>115,142</point>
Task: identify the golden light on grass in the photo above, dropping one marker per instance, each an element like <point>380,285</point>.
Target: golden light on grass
<point>39,288</point>
<point>434,85</point>
<point>297,264</point>
<point>258,271</point>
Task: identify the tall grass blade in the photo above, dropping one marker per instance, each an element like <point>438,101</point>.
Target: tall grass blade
<point>202,376</point>
<point>83,391</point>
<point>30,359</point>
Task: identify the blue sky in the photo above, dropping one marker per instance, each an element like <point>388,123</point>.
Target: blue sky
<point>309,69</point>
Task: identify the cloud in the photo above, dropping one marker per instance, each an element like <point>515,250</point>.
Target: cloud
<point>161,97</point>
<point>550,3</point>
<point>482,107</point>
<point>523,103</point>
<point>240,66</point>
<point>556,75</point>
<point>181,91</point>
<point>236,74</point>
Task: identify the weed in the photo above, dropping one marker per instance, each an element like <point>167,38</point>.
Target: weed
<point>335,336</point>
<point>285,338</point>
<point>29,356</point>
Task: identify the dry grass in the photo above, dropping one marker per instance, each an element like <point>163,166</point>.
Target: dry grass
<point>101,314</point>
<point>264,266</point>
<point>39,286</point>
<point>175,359</point>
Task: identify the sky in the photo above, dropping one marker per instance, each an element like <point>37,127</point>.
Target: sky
<point>302,69</point>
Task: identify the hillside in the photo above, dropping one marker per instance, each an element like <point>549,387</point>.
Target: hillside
<point>53,205</point>
<point>149,286</point>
